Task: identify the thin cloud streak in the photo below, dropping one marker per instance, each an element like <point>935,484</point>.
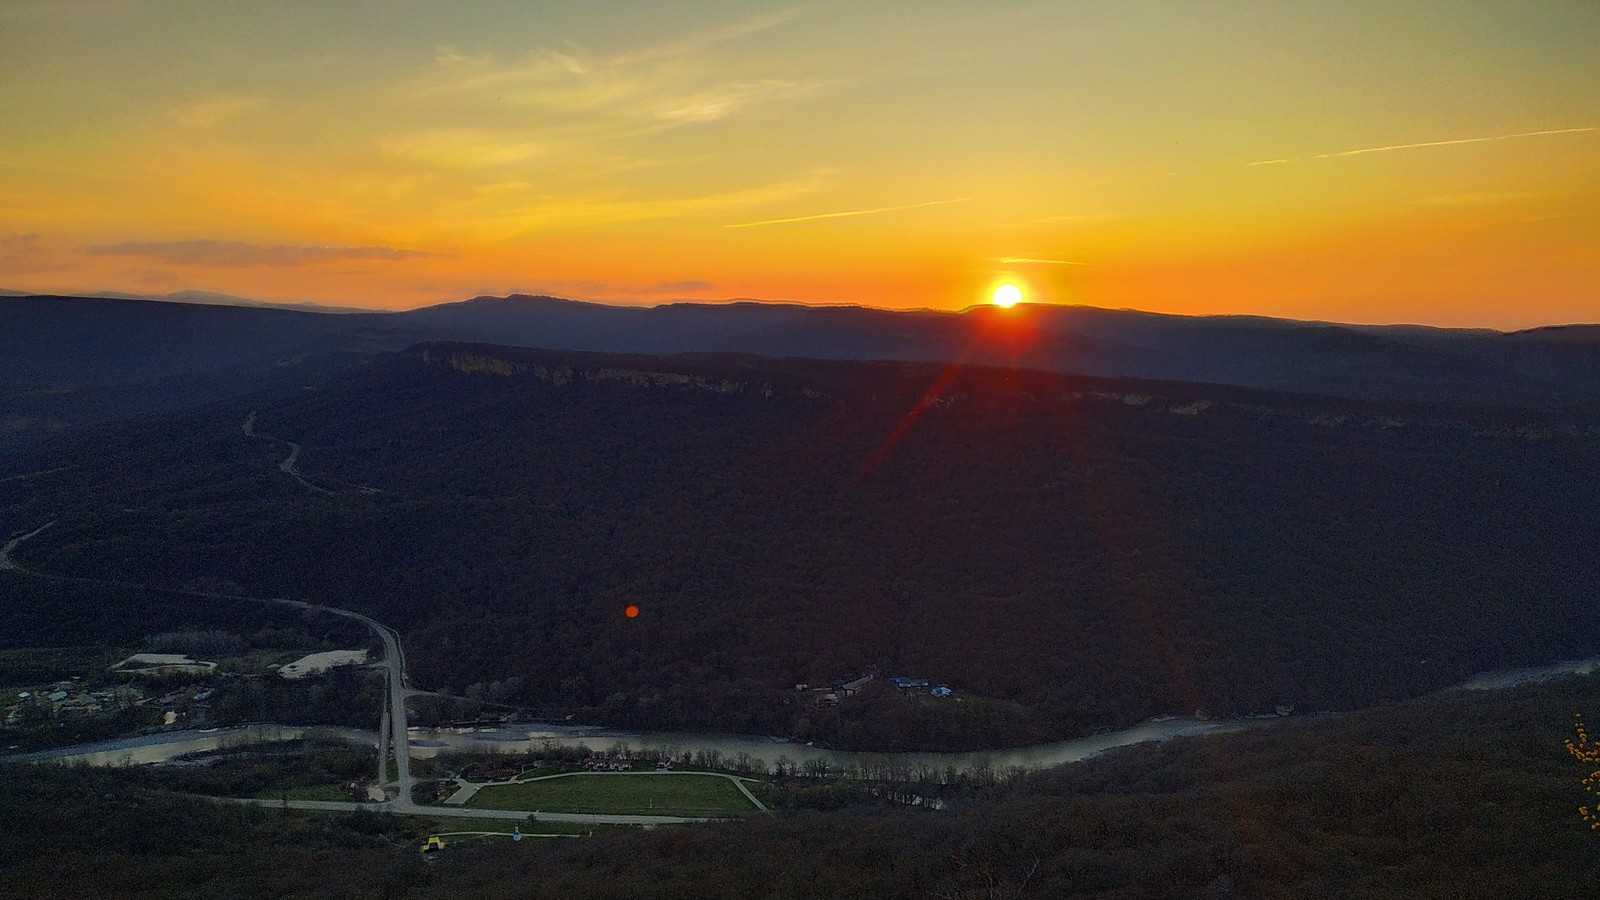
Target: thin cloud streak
<point>238,253</point>
<point>1479,140</point>
<point>848,213</point>
<point>1035,261</point>
<point>1450,143</point>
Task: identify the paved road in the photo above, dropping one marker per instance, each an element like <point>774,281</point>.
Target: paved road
<point>9,564</point>
<point>445,834</point>
<point>28,476</point>
<point>288,466</point>
<point>468,790</point>
<point>448,812</point>
<point>393,742</point>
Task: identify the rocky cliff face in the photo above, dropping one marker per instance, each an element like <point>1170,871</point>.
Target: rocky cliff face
<point>477,363</point>
<point>478,360</point>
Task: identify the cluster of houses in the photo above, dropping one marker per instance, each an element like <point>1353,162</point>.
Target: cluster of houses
<point>69,698</point>
<point>920,686</point>
<point>187,704</point>
<point>829,695</point>
<point>850,685</point>
<point>620,764</point>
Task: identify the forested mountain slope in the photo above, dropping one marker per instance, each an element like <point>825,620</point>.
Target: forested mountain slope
<point>1065,552</point>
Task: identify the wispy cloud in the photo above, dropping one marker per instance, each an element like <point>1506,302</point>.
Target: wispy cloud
<point>237,253</point>
<point>1477,199</point>
<point>847,213</point>
<point>464,148</point>
<point>210,112</point>
<point>676,81</point>
<point>1036,261</point>
<point>515,212</point>
<point>725,100</point>
<point>697,44</point>
<point>674,287</point>
<point>14,248</point>
<point>1421,144</point>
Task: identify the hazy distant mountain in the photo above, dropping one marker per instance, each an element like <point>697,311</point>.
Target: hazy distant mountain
<point>978,337</point>
<point>74,360</point>
<point>1396,362</point>
<point>211,298</point>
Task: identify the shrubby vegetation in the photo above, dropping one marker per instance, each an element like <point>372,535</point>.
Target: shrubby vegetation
<point>349,695</point>
<point>269,769</point>
<point>59,614</point>
<point>1467,795</point>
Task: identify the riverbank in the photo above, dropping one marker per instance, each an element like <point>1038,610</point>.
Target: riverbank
<point>428,743</point>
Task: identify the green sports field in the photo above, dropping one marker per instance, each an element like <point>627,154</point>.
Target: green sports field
<point>674,794</point>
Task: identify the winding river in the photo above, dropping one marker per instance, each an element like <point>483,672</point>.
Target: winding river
<point>427,743</point>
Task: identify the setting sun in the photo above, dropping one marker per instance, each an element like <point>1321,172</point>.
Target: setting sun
<point>1006,296</point>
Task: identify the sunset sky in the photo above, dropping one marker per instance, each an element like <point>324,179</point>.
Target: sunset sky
<point>1417,161</point>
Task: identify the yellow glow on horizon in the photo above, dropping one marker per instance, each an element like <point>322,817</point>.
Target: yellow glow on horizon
<point>1006,296</point>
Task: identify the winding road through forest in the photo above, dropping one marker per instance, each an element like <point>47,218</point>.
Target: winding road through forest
<point>288,466</point>
<point>9,564</point>
<point>393,740</point>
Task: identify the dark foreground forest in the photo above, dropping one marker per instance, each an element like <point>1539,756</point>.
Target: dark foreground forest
<point>1465,795</point>
<point>1065,553</point>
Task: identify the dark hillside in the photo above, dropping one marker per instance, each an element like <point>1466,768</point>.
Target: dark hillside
<point>68,361</point>
<point>1066,553</point>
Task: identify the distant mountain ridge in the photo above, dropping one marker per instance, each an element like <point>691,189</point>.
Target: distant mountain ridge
<point>202,298</point>
<point>1407,362</point>
<point>74,360</point>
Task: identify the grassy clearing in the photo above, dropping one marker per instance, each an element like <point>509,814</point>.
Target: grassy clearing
<point>663,795</point>
<point>310,792</point>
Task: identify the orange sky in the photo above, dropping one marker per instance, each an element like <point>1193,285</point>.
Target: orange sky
<point>1363,161</point>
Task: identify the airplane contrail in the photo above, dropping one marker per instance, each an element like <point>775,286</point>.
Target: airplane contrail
<point>1475,140</point>
<point>847,213</point>
<point>1478,140</point>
